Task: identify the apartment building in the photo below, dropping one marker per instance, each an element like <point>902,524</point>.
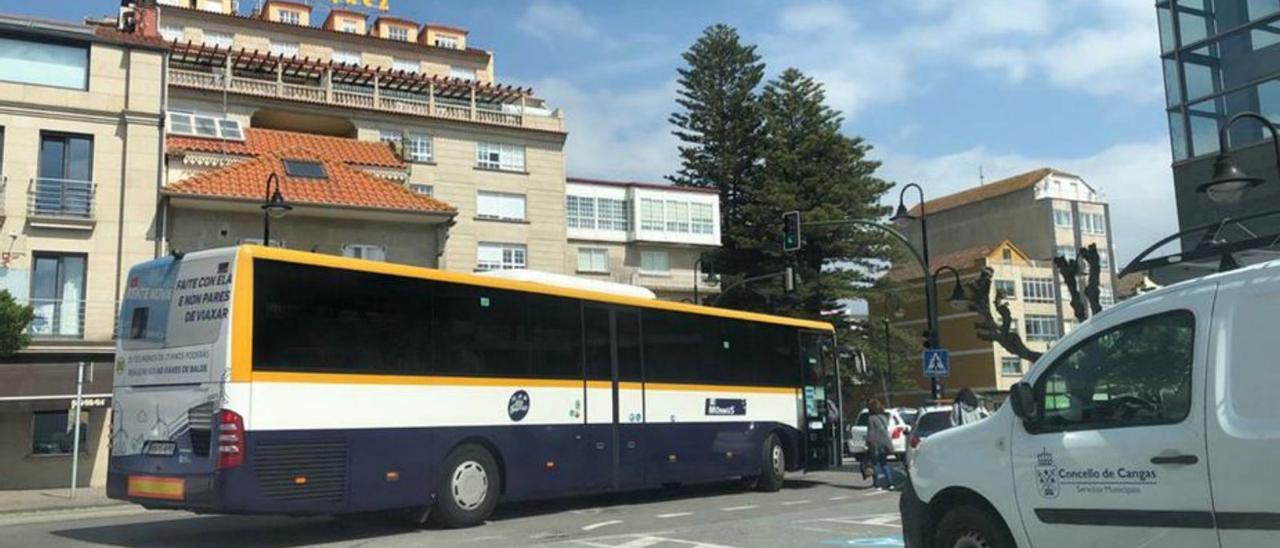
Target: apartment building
<point>645,234</point>
<point>80,152</point>
<point>1045,212</point>
<point>1040,309</point>
<point>492,154</point>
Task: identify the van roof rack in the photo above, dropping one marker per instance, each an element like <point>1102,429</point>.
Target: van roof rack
<point>1213,252</point>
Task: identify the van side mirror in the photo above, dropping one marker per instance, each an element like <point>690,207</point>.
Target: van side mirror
<point>1022,400</point>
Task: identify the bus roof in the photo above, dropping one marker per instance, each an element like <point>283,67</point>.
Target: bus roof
<point>334,261</point>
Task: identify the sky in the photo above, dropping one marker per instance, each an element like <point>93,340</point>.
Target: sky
<point>942,89</point>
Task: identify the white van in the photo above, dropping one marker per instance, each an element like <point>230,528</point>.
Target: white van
<point>1155,423</point>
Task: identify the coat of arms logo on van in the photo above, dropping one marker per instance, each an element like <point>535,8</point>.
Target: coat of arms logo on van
<point>1047,475</point>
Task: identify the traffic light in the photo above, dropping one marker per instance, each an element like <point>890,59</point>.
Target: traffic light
<point>927,339</point>
<point>791,231</point>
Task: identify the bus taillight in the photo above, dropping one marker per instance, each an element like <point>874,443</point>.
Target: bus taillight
<point>230,439</point>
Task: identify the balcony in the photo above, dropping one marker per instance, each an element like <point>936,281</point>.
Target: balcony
<point>257,74</point>
<point>60,201</point>
<point>72,319</point>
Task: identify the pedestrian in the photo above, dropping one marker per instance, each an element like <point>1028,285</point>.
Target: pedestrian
<point>879,444</point>
<point>966,408</point>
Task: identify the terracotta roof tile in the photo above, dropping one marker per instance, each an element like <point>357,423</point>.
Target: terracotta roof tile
<point>987,191</point>
<point>965,259</point>
<point>264,141</point>
<point>345,185</point>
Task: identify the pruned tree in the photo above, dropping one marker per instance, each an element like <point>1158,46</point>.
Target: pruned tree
<point>15,324</point>
<point>1002,331</point>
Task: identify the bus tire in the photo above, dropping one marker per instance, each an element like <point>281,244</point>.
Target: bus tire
<point>773,464</point>
<point>468,489</point>
<point>966,525</point>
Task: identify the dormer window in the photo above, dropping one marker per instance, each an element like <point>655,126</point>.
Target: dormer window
<point>290,17</point>
<point>349,25</point>
<point>305,169</point>
<point>445,41</point>
<point>398,33</point>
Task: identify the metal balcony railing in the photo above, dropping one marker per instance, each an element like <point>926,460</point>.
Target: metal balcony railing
<point>66,198</point>
<point>73,319</point>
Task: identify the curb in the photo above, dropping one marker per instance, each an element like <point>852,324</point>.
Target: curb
<point>61,508</point>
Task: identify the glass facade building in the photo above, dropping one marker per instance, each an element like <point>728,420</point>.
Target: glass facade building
<point>1221,58</point>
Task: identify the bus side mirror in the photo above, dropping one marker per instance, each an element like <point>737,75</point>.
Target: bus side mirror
<point>1022,401</point>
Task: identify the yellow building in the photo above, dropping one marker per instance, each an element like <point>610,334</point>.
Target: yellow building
<point>80,150</point>
<point>1038,303</point>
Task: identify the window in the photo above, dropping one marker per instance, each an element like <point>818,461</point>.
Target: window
<point>204,125</point>
<point>1104,260</point>
<point>406,65</point>
<point>57,294</point>
<point>580,211</point>
<point>1006,256</point>
<point>1105,296</point>
<point>221,40</point>
<point>52,433</point>
<point>612,214</point>
<point>213,5</point>
<point>289,16</point>
<point>1062,218</point>
<point>365,251</point>
<point>390,136</point>
<point>1041,328</point>
<point>677,214</point>
<point>655,262</point>
<point>500,205</point>
<point>284,49</point>
<point>305,169</point>
<point>347,57</point>
<point>495,256</point>
<point>423,189</point>
<point>1011,366</point>
<point>58,65</point>
<point>651,214</point>
<point>398,33</point>
<point>350,25</point>
<point>500,156</point>
<point>1092,223</point>
<point>1008,289</point>
<point>1135,374</point>
<point>701,219</point>
<point>446,41</point>
<point>1067,252</point>
<point>172,33</point>
<point>418,148</point>
<point>64,185</point>
<point>1037,290</point>
<point>462,72</point>
<point>702,349</point>
<point>593,259</point>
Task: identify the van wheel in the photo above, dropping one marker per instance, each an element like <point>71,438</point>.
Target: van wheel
<point>773,465</point>
<point>969,527</point>
<point>468,488</point>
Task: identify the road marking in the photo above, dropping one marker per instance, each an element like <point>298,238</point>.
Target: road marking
<point>791,502</point>
<point>736,508</point>
<point>644,540</point>
<point>841,497</point>
<point>674,515</point>
<point>843,525</point>
<point>595,526</point>
<point>874,493</point>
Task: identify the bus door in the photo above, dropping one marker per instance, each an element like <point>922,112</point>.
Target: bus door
<point>615,397</point>
<point>818,418</point>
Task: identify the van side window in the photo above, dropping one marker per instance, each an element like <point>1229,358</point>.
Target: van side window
<point>1135,374</point>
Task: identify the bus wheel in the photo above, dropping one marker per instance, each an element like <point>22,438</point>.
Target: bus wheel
<point>468,489</point>
<point>774,465</point>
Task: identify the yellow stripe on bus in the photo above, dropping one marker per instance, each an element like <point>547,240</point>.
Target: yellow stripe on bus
<point>414,380</point>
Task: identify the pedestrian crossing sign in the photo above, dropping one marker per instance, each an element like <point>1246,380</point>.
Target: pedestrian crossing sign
<point>937,363</point>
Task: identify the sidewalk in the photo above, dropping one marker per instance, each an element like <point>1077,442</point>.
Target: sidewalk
<point>36,500</point>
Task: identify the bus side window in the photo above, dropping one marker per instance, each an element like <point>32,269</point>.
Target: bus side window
<point>481,331</point>
<point>555,337</point>
<point>672,347</point>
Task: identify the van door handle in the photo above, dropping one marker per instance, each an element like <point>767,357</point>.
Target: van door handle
<point>1175,459</point>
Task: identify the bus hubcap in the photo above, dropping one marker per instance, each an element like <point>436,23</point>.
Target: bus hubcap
<point>470,485</point>
<point>776,454</point>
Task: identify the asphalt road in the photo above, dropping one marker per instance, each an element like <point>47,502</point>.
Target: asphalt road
<point>817,509</point>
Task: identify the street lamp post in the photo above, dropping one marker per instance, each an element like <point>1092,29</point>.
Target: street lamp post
<point>273,207</point>
<point>1229,182</point>
<point>931,305</point>
<point>697,276</point>
<point>896,311</point>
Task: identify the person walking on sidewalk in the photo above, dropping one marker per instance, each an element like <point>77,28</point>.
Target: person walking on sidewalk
<point>966,408</point>
<point>879,444</point>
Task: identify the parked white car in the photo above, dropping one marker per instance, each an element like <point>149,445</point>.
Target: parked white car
<point>929,421</point>
<point>900,420</point>
<point>1152,424</point>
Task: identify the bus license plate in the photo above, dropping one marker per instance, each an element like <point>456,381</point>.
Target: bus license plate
<point>161,448</point>
<point>155,487</point>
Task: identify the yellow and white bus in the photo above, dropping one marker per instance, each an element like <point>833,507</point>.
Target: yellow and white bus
<point>264,380</point>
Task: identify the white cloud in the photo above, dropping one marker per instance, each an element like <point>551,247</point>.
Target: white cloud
<point>1134,178</point>
<point>551,21</point>
<point>815,17</point>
